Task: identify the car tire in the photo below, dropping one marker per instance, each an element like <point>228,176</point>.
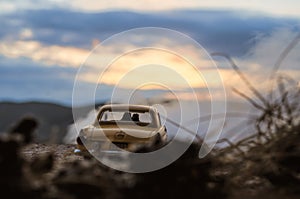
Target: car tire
<point>79,141</point>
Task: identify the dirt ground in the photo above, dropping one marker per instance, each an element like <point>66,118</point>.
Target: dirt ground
<point>63,153</point>
<point>54,171</point>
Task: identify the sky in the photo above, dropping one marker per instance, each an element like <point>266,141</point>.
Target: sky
<point>44,43</point>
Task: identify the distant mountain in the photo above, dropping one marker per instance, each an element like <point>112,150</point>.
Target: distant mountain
<point>53,119</point>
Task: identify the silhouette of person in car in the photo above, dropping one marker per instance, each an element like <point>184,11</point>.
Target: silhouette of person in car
<point>135,117</point>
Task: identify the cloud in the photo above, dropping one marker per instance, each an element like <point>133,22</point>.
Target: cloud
<point>274,7</point>
<point>219,30</point>
<point>9,6</point>
<point>268,48</point>
<point>63,38</point>
<point>26,33</point>
<point>50,55</point>
<point>258,64</point>
<point>23,79</point>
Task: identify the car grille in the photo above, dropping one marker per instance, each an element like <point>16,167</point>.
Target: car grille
<point>122,145</point>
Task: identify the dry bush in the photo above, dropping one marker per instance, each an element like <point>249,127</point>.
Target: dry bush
<point>266,163</point>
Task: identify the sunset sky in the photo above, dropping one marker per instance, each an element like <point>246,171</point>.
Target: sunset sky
<point>43,43</point>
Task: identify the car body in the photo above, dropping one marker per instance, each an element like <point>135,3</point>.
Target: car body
<point>123,126</point>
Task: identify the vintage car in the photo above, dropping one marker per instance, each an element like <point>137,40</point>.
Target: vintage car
<point>122,126</point>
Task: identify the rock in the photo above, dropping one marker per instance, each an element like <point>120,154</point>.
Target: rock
<point>25,127</point>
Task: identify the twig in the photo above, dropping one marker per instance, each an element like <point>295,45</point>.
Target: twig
<point>248,99</point>
<point>238,71</point>
<point>283,55</point>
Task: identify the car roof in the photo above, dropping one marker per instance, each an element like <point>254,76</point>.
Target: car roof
<point>128,107</point>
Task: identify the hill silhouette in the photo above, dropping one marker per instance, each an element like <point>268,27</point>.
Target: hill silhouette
<point>53,119</point>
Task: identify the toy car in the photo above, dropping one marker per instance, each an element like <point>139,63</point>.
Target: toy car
<point>122,126</point>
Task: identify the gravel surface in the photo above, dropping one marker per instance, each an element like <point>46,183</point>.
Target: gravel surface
<point>63,153</point>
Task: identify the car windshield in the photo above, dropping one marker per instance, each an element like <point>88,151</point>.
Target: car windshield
<point>128,117</point>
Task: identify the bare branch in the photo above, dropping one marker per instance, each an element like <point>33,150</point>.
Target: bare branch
<point>248,99</point>
<point>284,54</point>
<point>239,72</point>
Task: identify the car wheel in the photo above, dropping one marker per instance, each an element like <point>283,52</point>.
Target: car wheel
<point>79,141</point>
